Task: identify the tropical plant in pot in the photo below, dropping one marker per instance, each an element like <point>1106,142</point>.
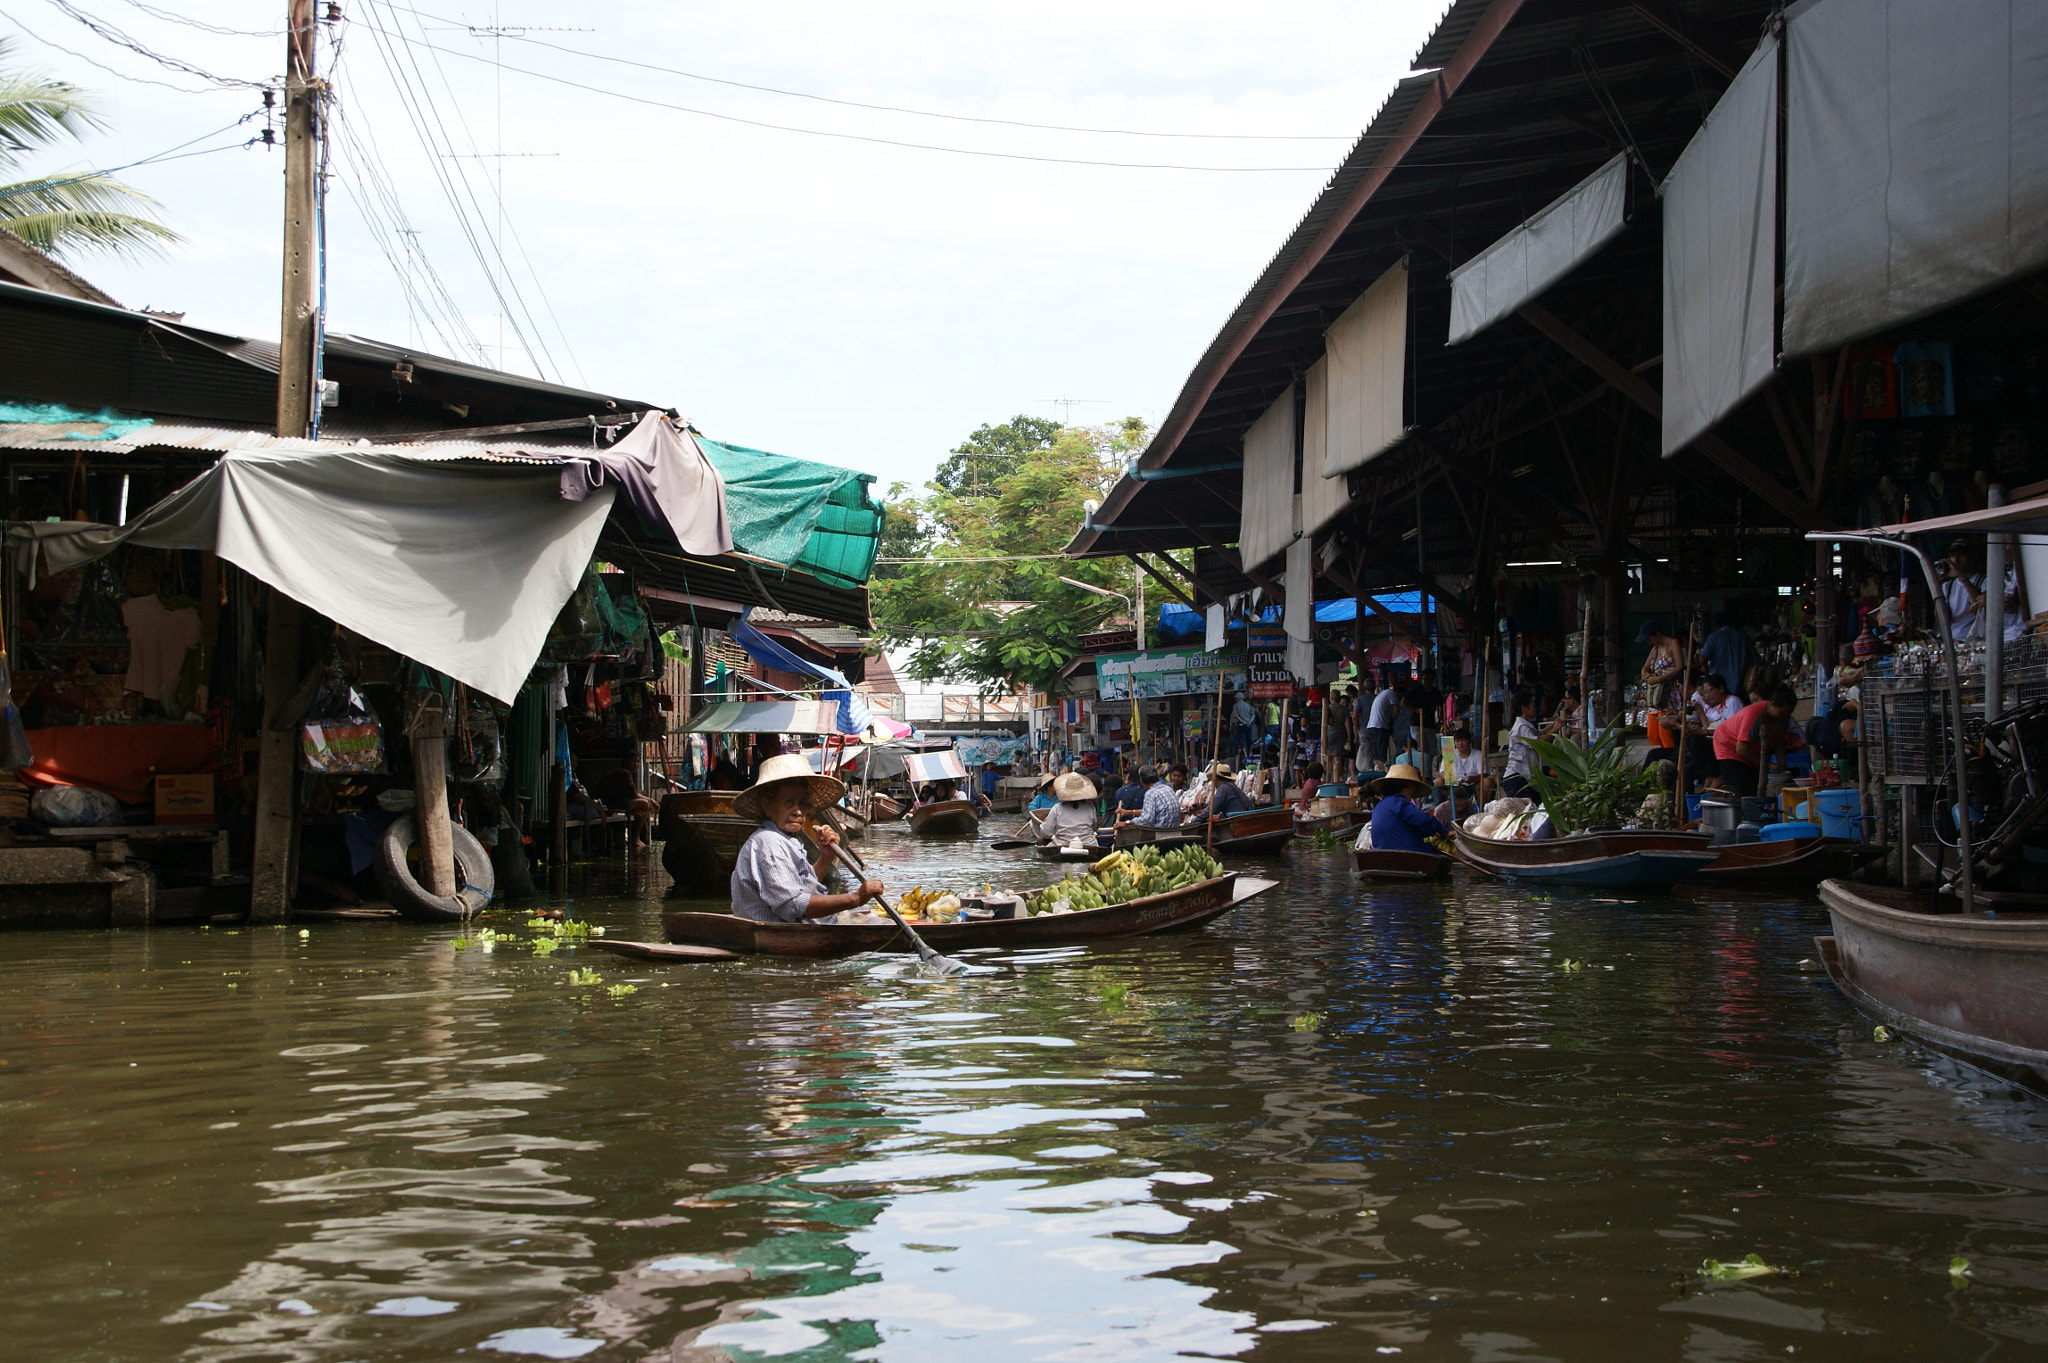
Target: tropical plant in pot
<point>1595,787</point>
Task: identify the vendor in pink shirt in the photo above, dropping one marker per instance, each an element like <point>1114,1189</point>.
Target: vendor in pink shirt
<point>1744,742</point>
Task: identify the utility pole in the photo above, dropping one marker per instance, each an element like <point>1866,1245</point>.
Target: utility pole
<point>270,882</point>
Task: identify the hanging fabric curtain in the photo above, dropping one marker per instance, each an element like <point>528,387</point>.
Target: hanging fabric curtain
<point>853,715</point>
<point>1301,610</point>
<point>1212,630</point>
<point>1321,498</point>
<point>1720,256</point>
<point>1267,516</point>
<point>1519,267</point>
<point>1916,159</point>
<point>1368,355</point>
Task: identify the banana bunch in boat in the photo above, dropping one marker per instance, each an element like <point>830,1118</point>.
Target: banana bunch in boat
<point>919,905</point>
<point>1126,875</point>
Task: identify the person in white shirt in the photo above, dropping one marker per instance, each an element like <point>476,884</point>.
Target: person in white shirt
<point>1522,757</point>
<point>1468,768</point>
<point>1965,590</point>
<point>1712,703</point>
<point>1378,722</point>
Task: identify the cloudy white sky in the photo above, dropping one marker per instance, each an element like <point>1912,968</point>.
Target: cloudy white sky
<point>837,299</point>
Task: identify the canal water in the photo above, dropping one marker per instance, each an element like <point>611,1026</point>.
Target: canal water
<point>1458,1123</point>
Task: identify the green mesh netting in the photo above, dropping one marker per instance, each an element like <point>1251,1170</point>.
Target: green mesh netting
<point>117,424</point>
<point>812,517</point>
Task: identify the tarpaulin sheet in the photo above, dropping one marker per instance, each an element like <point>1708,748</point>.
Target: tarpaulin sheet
<point>1322,499</point>
<point>934,766</point>
<point>816,517</point>
<point>1266,518</point>
<point>458,564</point>
<point>1518,268</point>
<point>1368,351</point>
<point>792,716</point>
<point>120,759</point>
<point>1916,159</point>
<point>852,711</point>
<point>1720,254</point>
<point>671,486</point>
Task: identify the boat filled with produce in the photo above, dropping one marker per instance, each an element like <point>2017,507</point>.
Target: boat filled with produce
<point>1125,875</point>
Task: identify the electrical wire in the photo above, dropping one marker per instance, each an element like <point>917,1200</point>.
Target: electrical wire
<point>839,136</point>
<point>113,35</point>
<point>94,62</point>
<point>177,153</point>
<point>172,17</point>
<point>895,108</point>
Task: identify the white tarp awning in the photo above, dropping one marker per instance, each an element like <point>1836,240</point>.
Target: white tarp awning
<point>1266,523</point>
<point>1300,610</point>
<point>1720,251</point>
<point>1916,159</point>
<point>1321,498</point>
<point>793,716</point>
<point>1368,352</point>
<point>459,564</point>
<point>1528,260</point>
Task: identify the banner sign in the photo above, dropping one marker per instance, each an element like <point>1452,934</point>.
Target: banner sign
<point>1269,677</point>
<point>1164,672</point>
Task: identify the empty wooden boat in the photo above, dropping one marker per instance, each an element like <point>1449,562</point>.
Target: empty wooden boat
<point>945,819</point>
<point>1255,832</point>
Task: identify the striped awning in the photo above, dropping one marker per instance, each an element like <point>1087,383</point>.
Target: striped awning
<point>766,717</point>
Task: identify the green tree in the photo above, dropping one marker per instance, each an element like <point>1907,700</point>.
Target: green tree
<point>990,605</point>
<point>980,461</point>
<point>65,212</point>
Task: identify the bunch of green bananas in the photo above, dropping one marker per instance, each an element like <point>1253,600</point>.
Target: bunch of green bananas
<point>1123,876</point>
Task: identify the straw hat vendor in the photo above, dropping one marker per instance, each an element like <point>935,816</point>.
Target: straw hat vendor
<point>1398,823</point>
<point>772,882</point>
<point>1073,819</point>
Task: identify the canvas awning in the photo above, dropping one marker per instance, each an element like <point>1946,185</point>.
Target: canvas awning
<point>2021,518</point>
<point>817,518</point>
<point>1517,269</point>
<point>796,715</point>
<point>852,712</point>
<point>1368,351</point>
<point>1266,516</point>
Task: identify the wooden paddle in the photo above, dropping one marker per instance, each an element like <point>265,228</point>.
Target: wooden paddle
<point>928,960</point>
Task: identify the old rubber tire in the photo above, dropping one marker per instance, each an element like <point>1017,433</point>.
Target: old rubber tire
<point>473,876</point>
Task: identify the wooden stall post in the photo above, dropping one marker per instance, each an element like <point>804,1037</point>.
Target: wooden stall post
<point>277,816</point>
<point>558,827</point>
<point>430,797</point>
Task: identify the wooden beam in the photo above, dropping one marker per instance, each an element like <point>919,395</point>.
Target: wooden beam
<point>1164,581</point>
<point>1666,18</point>
<point>277,821</point>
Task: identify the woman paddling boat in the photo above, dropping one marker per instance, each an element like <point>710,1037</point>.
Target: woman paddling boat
<point>1399,824</point>
<point>1073,820</point>
<point>772,882</point>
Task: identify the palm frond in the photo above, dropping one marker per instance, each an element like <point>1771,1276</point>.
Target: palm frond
<point>90,213</point>
<point>37,110</point>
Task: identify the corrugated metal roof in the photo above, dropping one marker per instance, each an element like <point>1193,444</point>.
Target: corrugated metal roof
<point>1451,30</point>
<point>83,437</point>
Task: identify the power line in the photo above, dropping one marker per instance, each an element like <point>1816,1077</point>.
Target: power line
<point>177,153</point>
<point>172,17</point>
<point>899,109</point>
<point>120,39</point>
<point>100,65</point>
<point>848,137</point>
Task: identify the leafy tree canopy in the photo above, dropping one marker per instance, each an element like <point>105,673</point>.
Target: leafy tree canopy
<point>982,459</point>
<point>1006,619</point>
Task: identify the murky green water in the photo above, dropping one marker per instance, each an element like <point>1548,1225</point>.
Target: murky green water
<point>1334,1125</point>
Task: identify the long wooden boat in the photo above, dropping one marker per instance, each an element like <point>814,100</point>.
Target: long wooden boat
<point>1052,851</point>
<point>701,837</point>
<point>1255,832</point>
<point>1373,863</point>
<point>883,808</point>
<point>1800,863</point>
<point>1165,839</point>
<point>1340,823</point>
<point>1642,859</point>
<point>1175,911</point>
<point>945,819</point>
<point>1968,984</point>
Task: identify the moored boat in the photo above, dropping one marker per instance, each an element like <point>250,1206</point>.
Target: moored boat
<point>1342,822</point>
<point>1255,832</point>
<point>1799,863</point>
<point>945,819</point>
<point>1165,839</point>
<point>1177,910</point>
<point>1970,984</point>
<point>1629,859</point>
<point>883,808</point>
<point>701,837</point>
<point>1372,863</point>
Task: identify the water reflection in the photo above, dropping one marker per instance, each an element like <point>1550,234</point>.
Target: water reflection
<point>1457,1122</point>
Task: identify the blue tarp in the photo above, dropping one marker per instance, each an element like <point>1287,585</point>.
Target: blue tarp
<point>1178,622</point>
<point>854,716</point>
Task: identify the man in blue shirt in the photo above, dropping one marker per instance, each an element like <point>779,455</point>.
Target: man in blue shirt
<point>1398,823</point>
<point>1162,802</point>
<point>1130,798</point>
<point>1728,652</point>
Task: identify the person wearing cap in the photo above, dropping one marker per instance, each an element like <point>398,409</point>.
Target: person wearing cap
<point>1162,802</point>
<point>1398,823</point>
<point>772,880</point>
<point>1661,667</point>
<point>1073,819</point>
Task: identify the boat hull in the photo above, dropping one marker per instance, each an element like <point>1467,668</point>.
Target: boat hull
<point>1165,839</point>
<point>1372,863</point>
<point>1646,860</point>
<point>1796,865</point>
<point>945,819</point>
<point>1256,832</point>
<point>1178,910</point>
<point>1971,985</point>
<point>700,838</point>
<point>1348,821</point>
<point>1049,851</point>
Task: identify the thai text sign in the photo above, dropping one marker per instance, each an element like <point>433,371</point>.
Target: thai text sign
<point>1269,677</point>
<point>1163,672</point>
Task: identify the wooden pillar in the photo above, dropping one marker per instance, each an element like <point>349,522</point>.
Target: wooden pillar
<point>430,798</point>
<point>277,812</point>
<point>1826,614</point>
<point>558,827</point>
<point>1611,635</point>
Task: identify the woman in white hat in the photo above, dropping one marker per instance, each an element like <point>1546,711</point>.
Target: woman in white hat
<point>1073,819</point>
<point>772,882</point>
<point>1398,823</point>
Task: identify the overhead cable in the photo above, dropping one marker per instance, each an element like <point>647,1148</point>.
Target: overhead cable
<point>120,39</point>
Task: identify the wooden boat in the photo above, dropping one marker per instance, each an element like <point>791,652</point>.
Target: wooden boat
<point>1340,823</point>
<point>1642,859</point>
<point>701,837</point>
<point>1373,863</point>
<point>1165,839</point>
<point>660,953</point>
<point>1800,863</point>
<point>1175,911</point>
<point>945,819</point>
<point>883,808</point>
<point>1968,984</point>
<point>1255,832</point>
<point>1052,851</point>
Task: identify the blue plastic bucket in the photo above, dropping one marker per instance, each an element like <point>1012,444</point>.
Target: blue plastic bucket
<point>1785,832</point>
<point>1841,813</point>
